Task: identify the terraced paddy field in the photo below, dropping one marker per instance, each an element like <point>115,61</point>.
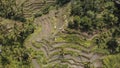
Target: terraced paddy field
<point>56,49</point>
<point>59,34</point>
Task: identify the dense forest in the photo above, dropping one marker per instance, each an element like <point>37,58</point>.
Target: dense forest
<point>97,16</point>
<point>60,34</point>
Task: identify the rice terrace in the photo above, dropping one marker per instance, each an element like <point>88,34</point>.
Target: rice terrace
<point>59,33</point>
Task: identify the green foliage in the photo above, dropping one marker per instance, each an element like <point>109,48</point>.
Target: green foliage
<point>72,38</point>
<point>62,2</point>
<point>112,45</point>
<point>93,14</point>
<point>76,23</point>
<point>38,15</point>
<point>116,33</point>
<point>112,61</point>
<point>46,9</point>
<point>88,16</point>
<point>9,9</point>
<point>85,23</point>
<point>61,66</point>
<point>58,65</point>
<point>14,54</point>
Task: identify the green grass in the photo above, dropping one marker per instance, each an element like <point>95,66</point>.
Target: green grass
<point>77,39</point>
<point>102,51</point>
<point>72,38</point>
<point>41,58</point>
<point>59,39</point>
<point>66,52</point>
<point>72,53</point>
<point>74,46</point>
<point>86,43</point>
<point>30,37</point>
<point>37,45</point>
<point>57,65</point>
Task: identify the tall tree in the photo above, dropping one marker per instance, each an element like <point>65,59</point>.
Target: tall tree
<point>9,9</point>
<point>94,14</point>
<point>112,45</point>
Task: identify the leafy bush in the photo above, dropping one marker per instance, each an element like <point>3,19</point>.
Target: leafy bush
<point>93,15</point>
<point>112,45</point>
<point>14,54</point>
<point>62,2</point>
<point>9,9</point>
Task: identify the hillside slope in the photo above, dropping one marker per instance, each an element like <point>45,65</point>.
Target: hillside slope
<point>51,51</point>
<point>59,34</point>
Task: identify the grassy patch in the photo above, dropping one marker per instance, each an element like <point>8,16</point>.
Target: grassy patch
<point>74,46</point>
<point>112,61</point>
<point>102,51</point>
<point>31,37</point>
<point>57,65</point>
<point>72,38</point>
<point>86,43</point>
<point>65,52</point>
<point>37,45</point>
<point>72,53</point>
<point>59,39</point>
